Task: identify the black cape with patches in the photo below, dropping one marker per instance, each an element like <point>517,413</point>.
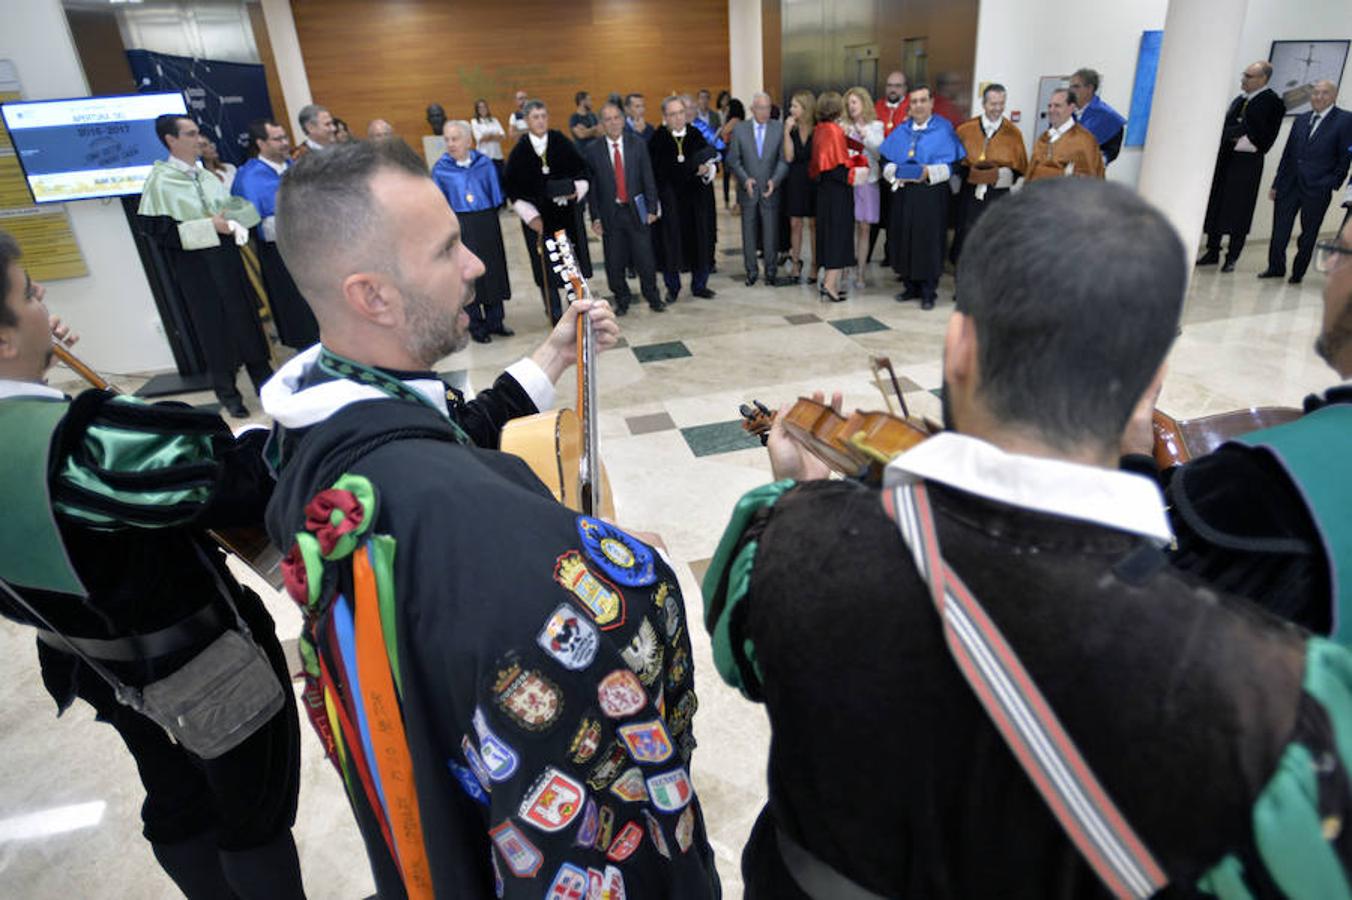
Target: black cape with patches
<point>687,226</point>
<point>523,178</point>
<point>478,538</point>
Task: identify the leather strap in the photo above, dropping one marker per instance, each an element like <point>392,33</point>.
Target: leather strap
<point>207,622</point>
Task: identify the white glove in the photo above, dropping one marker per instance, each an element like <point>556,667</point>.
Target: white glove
<point>1244,145</point>
<point>890,173</point>
<point>937,173</point>
<point>239,231</point>
<point>581,188</point>
<point>954,184</point>
<point>268,228</point>
<point>525,210</point>
<point>560,201</point>
<point>980,192</point>
<point>1004,177</point>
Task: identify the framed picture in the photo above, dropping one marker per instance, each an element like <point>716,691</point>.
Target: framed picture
<point>1297,65</point>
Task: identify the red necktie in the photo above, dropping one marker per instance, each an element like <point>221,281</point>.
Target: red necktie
<point>621,189</point>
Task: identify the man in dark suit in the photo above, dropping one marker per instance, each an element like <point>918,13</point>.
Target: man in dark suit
<point>1313,165</point>
<point>1250,130</point>
<point>756,157</point>
<point>623,204</point>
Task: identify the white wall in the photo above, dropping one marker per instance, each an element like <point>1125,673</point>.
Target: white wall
<point>1018,41</point>
<point>112,307</point>
<point>745,55</point>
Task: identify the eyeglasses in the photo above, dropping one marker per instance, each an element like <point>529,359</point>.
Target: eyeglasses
<point>1326,256</point>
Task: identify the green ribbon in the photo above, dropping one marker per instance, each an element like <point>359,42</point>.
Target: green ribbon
<point>351,370</point>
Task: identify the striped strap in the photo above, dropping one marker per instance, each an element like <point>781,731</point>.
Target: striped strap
<point>1020,712</point>
<point>392,762</point>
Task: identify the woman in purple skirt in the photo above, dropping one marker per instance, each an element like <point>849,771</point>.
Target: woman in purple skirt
<point>863,135</point>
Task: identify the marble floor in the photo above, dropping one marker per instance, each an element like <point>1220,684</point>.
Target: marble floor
<point>69,796</point>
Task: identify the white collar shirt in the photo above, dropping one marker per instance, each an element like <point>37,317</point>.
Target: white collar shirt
<point>1108,498</point>
<point>10,387</point>
<point>1055,134</point>
<point>539,144</point>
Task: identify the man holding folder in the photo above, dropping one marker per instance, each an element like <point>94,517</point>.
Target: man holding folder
<point>622,207</point>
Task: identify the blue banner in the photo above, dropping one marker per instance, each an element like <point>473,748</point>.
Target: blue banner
<point>1143,90</point>
<point>223,97</point>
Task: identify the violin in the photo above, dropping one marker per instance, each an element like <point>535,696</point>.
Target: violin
<point>860,444</point>
<point>1179,440</point>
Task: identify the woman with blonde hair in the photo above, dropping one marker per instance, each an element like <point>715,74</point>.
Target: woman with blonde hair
<point>863,137</point>
<point>799,193</point>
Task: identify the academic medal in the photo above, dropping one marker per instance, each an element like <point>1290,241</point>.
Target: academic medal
<point>544,169</point>
<point>469,198</point>
<point>680,157</point>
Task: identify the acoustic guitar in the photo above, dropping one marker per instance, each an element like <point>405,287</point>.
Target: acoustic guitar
<point>562,446</point>
<point>1179,440</point>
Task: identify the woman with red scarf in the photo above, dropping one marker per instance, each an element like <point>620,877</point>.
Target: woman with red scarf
<point>830,169</point>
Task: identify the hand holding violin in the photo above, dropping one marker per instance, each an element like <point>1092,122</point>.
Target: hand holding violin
<point>790,458</point>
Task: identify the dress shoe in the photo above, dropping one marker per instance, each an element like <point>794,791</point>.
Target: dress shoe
<point>504,331</point>
<point>237,409</point>
<point>1272,273</point>
<point>705,294</point>
<point>622,310</point>
<point>657,306</point>
<point>481,338</point>
<point>671,297</point>
<point>1209,258</point>
<point>1229,266</point>
<point>772,281</point>
<point>927,303</point>
<point>750,280</point>
<point>1295,279</point>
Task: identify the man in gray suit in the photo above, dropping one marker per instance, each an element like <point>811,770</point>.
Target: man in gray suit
<point>756,157</point>
<point>622,209</point>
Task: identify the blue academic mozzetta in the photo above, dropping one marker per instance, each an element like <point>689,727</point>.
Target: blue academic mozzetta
<point>88,147</point>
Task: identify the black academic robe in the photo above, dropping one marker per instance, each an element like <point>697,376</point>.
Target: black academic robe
<point>485,561</point>
<point>215,293</point>
<point>296,325</point>
<point>686,229</point>
<point>524,179</point>
<point>1237,178</point>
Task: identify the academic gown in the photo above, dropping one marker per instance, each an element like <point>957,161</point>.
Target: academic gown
<point>687,225</point>
<point>1105,124</point>
<point>258,182</point>
<point>829,167</point>
<point>919,213</point>
<point>1076,147</point>
<point>523,638</point>
<point>215,293</point>
<point>1238,175</point>
<point>524,178</point>
<point>985,156</point>
<point>474,193</point>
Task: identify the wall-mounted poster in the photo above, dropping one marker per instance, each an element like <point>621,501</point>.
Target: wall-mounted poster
<point>1143,89</point>
<point>1297,65</point>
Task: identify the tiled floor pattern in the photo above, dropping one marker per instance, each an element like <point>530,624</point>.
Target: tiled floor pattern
<point>678,460</point>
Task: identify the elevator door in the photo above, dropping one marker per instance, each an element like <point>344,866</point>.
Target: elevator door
<point>861,67</point>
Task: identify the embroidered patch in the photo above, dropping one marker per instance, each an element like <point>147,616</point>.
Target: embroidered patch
<point>685,829</point>
<point>614,885</point>
<point>621,694</point>
<point>644,653</point>
<point>655,833</point>
<point>596,883</point>
<point>625,843</point>
<point>500,759</point>
<point>529,699</point>
<point>608,768</point>
<point>678,668</point>
<point>620,555</point>
<point>667,600</point>
<point>469,782</point>
<point>569,884</point>
<point>586,832</point>
<point>605,828</point>
<point>647,742</point>
<point>629,787</point>
<point>599,597</point>
<point>585,740</point>
<point>670,791</point>
<point>569,638</point>
<point>687,744</point>
<point>521,856</point>
<point>683,712</point>
<point>553,802</point>
<point>476,763</point>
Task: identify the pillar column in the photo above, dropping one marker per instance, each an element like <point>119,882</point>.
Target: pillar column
<point>1196,80</point>
<point>290,63</point>
<point>745,56</point>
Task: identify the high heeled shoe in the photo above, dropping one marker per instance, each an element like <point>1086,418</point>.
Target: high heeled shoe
<point>834,298</point>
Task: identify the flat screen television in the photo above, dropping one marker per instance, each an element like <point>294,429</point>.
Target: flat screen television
<point>88,147</point>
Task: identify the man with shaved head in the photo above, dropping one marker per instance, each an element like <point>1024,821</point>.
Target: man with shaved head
<point>378,129</point>
<point>468,641</point>
<point>1250,130</point>
<point>1313,166</point>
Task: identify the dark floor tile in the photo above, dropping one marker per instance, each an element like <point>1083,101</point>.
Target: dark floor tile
<point>860,325</point>
<point>802,318</point>
<point>650,423</point>
<point>647,353</point>
<point>718,437</point>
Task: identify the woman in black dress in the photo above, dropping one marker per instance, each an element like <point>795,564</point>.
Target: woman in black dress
<point>830,168</point>
<point>732,111</point>
<point>800,194</point>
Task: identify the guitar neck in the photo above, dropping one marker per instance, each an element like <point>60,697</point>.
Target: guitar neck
<point>586,410</point>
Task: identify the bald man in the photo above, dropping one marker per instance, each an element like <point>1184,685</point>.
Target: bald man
<point>1313,166</point>
<point>378,129</point>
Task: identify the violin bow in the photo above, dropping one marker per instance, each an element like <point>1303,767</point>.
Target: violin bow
<point>878,363</point>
